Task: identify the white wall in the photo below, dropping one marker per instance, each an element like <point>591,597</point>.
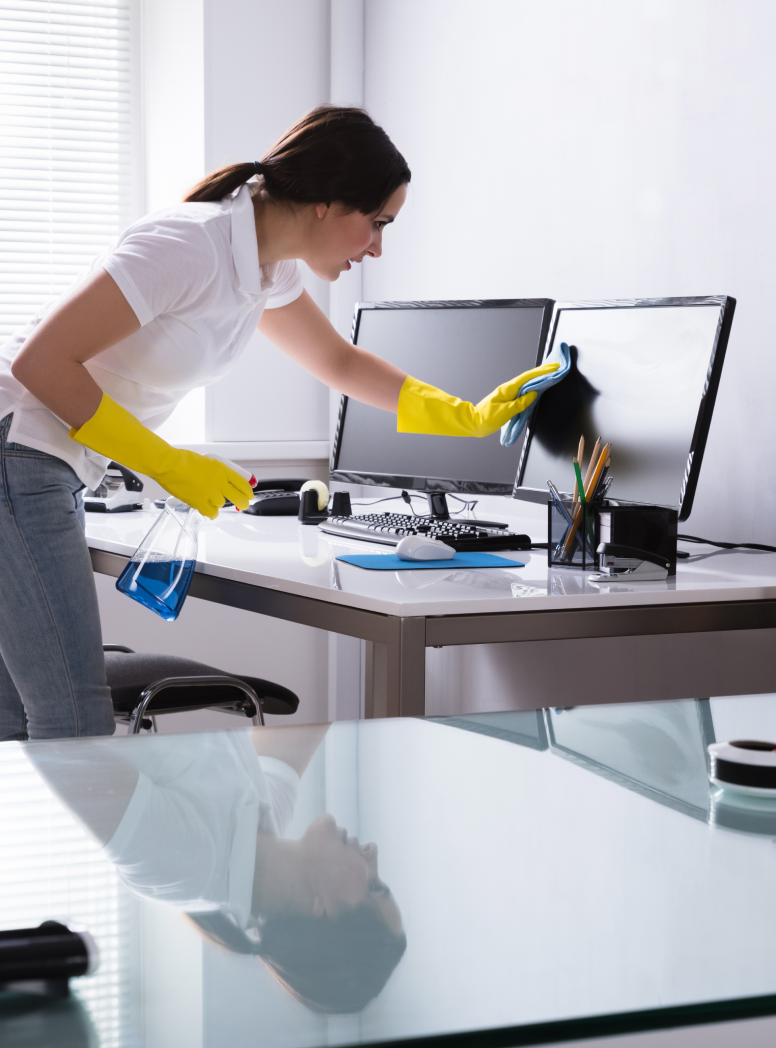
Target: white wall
<point>594,150</point>
<point>266,64</point>
<point>173,99</point>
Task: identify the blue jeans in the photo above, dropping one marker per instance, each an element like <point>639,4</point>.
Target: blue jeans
<point>52,669</point>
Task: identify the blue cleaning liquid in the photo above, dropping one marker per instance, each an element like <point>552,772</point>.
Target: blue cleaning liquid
<point>151,584</point>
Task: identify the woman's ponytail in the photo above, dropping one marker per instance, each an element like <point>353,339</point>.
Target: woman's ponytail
<point>221,183</point>
<point>335,154</point>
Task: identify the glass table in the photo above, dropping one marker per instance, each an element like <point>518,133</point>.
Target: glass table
<point>538,877</point>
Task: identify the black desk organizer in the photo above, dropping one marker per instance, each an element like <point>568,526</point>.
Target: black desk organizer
<point>575,532</point>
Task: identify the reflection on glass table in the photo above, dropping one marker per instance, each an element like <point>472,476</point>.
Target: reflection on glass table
<point>554,874</point>
<point>197,822</point>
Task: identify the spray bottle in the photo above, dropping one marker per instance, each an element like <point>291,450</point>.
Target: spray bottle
<point>160,570</point>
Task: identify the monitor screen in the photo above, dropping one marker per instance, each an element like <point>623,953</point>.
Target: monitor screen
<point>465,348</point>
<point>643,377</point>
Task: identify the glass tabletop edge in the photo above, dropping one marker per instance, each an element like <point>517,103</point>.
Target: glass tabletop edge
<point>584,1028</point>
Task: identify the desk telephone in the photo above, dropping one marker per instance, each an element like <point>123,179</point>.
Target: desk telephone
<point>276,498</point>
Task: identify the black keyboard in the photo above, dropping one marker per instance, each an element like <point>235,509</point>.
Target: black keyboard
<point>465,536</point>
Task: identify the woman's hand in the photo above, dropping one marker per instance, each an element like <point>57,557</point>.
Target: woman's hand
<point>305,334</point>
<point>50,364</point>
<point>426,409</point>
<point>201,482</point>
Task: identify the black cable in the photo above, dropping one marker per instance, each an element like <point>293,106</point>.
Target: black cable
<point>388,498</point>
<point>727,545</point>
<point>466,505</point>
<point>406,497</point>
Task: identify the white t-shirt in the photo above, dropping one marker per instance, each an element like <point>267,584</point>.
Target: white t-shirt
<point>192,276</point>
<point>188,836</point>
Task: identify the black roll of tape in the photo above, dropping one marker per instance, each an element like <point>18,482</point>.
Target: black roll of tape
<point>50,954</point>
<point>747,765</point>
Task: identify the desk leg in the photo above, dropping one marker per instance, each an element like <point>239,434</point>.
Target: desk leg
<point>396,672</point>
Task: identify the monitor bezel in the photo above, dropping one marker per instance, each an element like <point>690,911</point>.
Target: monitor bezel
<point>708,398</point>
<point>390,480</point>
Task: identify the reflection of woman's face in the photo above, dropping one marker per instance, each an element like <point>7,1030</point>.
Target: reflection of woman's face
<point>345,873</point>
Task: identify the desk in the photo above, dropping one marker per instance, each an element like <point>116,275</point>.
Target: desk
<point>558,877</point>
<point>274,566</point>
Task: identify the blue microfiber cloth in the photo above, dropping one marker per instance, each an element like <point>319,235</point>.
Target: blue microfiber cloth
<point>512,429</point>
<point>390,562</point>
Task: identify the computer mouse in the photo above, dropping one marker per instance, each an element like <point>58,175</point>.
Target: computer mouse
<point>421,547</point>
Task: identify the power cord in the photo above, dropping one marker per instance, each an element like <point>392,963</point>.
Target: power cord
<point>726,545</point>
<point>466,505</point>
<point>388,498</point>
<point>406,497</point>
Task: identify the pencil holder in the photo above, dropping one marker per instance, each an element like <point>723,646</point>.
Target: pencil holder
<point>572,532</point>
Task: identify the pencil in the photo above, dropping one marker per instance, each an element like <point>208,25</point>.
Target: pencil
<point>593,460</point>
<point>578,473</point>
<point>590,487</point>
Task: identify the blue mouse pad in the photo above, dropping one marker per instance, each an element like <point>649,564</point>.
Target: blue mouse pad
<point>390,562</point>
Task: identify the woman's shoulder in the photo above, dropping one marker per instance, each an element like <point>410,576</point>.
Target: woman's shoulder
<point>182,219</point>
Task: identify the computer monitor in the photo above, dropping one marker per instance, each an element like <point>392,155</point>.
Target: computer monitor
<point>644,376</point>
<point>464,348</point>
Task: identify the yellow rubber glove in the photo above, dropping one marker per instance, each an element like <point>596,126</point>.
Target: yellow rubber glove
<point>201,482</point>
<point>426,409</point>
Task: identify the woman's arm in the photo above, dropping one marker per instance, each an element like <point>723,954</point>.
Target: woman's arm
<point>90,778</point>
<point>51,362</point>
<point>305,334</point>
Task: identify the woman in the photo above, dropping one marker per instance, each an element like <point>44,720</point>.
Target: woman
<point>197,822</point>
<point>168,308</point>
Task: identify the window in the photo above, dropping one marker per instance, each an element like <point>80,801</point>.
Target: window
<point>67,175</point>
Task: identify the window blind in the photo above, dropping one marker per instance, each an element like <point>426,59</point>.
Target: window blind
<point>51,869</point>
<point>65,144</point>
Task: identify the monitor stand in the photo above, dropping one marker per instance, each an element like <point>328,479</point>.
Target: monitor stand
<point>439,510</point>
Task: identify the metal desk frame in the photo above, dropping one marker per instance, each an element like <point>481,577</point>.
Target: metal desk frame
<point>396,645</point>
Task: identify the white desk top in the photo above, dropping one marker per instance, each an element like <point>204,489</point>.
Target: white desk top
<point>279,553</point>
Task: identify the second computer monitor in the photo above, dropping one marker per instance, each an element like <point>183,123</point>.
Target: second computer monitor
<point>465,348</point>
<point>644,376</point>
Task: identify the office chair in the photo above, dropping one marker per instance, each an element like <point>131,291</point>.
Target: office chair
<point>145,686</point>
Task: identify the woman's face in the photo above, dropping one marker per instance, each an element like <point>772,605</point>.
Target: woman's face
<point>340,238</point>
<point>344,873</point>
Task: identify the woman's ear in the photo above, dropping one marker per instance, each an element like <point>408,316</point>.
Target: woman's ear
<point>321,209</point>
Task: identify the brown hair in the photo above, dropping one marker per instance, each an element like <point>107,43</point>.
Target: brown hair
<point>334,154</point>
<point>332,966</point>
